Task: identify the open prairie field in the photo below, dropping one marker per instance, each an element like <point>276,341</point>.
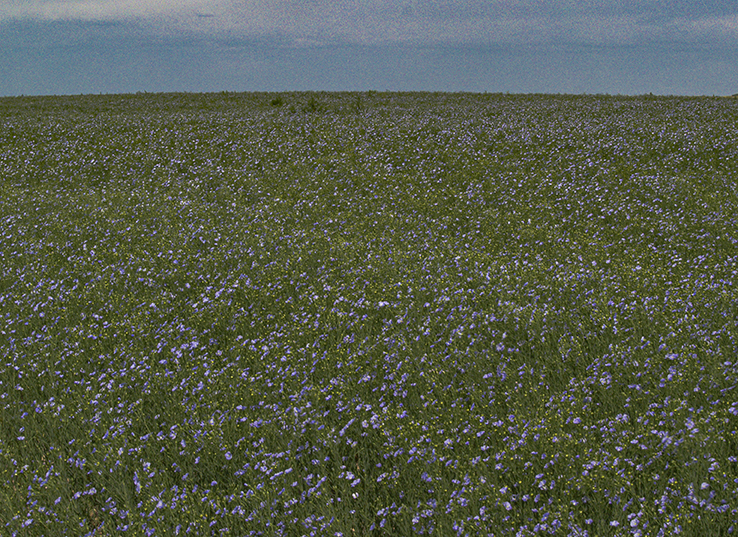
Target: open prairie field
<point>368,314</point>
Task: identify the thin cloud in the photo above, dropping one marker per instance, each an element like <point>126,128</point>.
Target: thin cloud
<point>373,22</point>
<point>725,27</point>
<point>96,9</point>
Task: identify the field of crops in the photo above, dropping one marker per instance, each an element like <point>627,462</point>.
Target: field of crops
<point>368,314</point>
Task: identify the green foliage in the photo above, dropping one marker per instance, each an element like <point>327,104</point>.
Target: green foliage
<point>277,101</point>
<point>368,314</point>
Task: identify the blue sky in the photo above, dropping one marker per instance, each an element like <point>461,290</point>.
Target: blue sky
<point>678,47</point>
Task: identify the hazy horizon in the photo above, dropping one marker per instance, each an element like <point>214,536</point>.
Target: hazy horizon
<point>67,47</point>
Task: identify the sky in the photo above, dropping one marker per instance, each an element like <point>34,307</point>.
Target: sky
<point>628,47</point>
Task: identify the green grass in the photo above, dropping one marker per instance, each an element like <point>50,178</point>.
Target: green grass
<point>368,314</point>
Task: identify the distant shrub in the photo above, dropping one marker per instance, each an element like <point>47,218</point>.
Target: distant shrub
<point>358,105</point>
<point>313,105</point>
<point>277,101</point>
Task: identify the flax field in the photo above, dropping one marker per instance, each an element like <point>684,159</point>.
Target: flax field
<point>368,314</point>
